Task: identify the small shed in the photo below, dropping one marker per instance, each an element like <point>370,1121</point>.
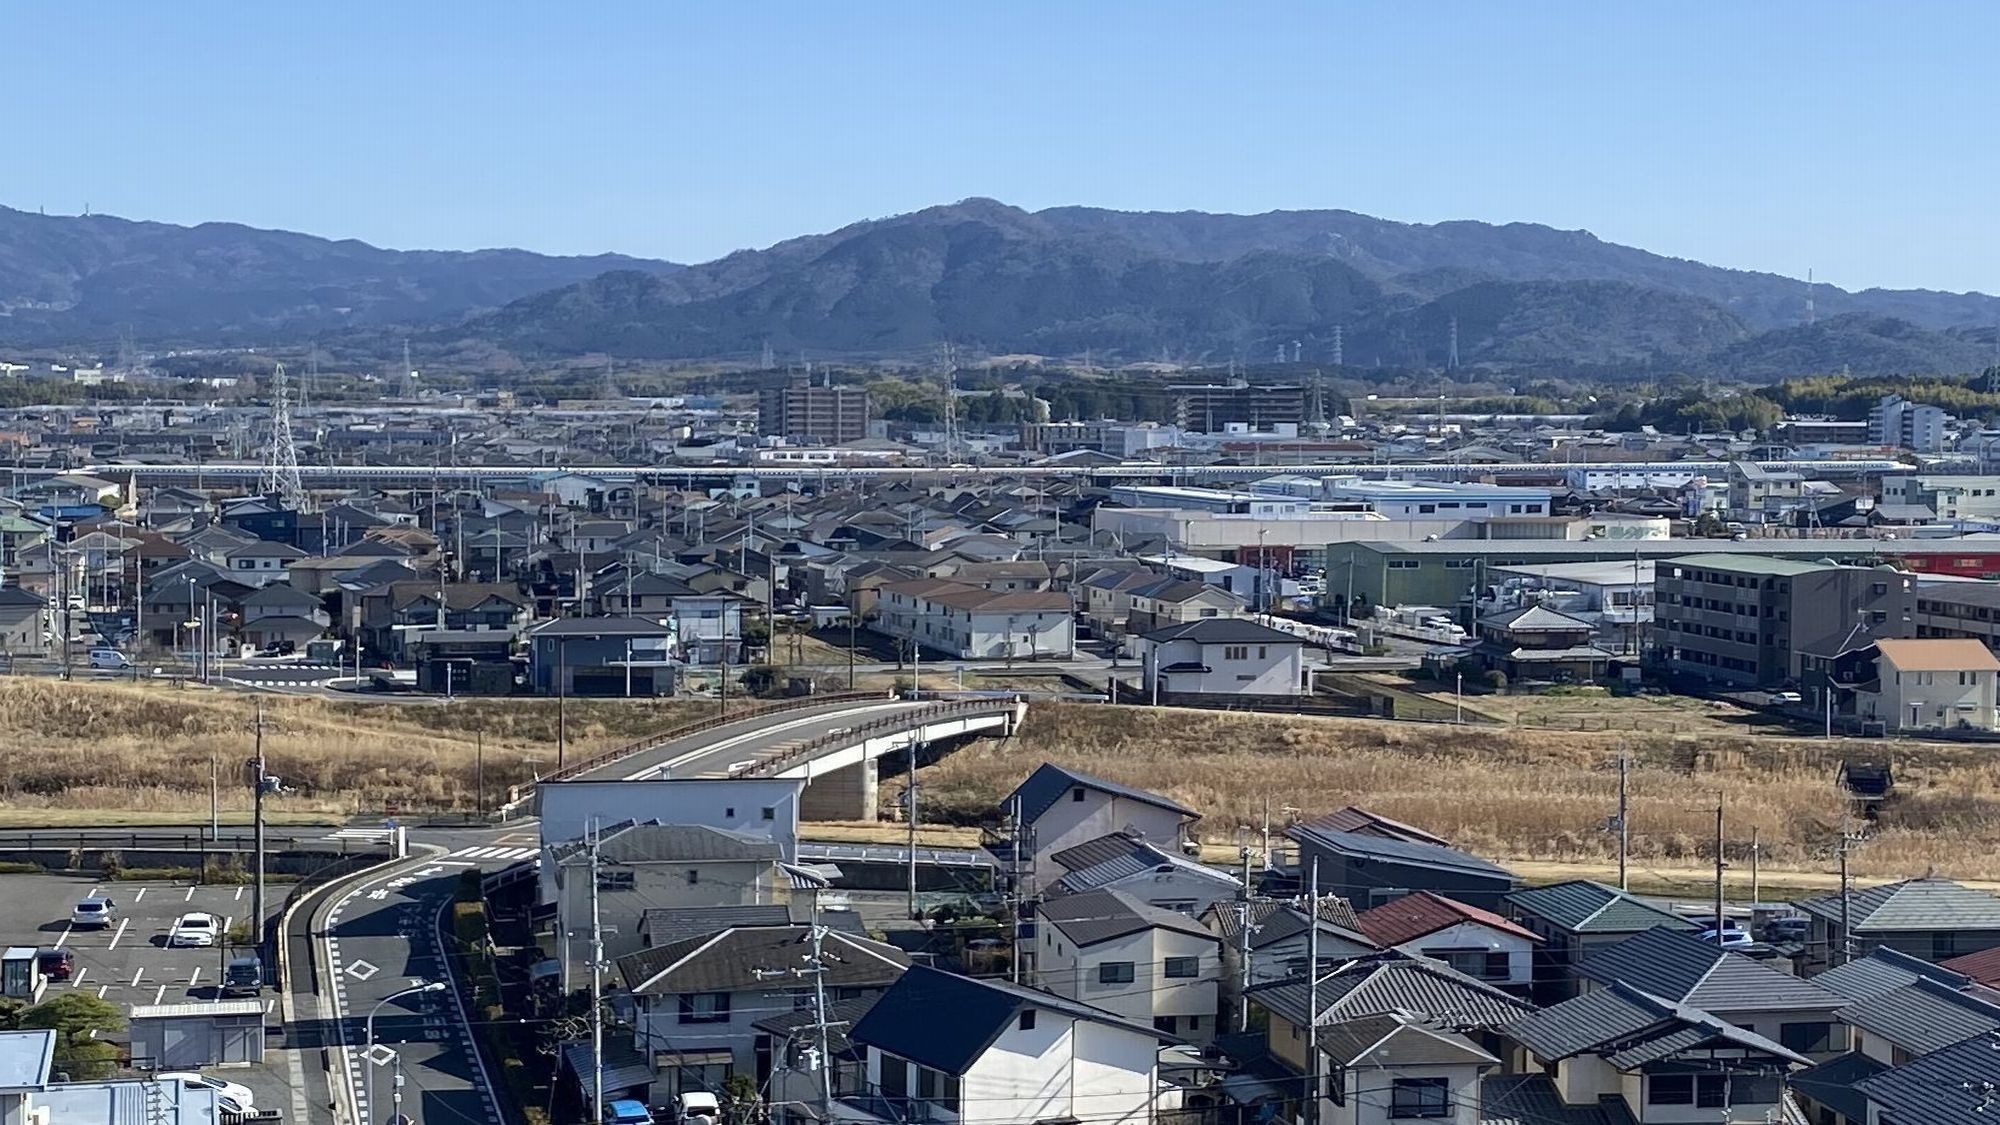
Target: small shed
<point>191,1036</point>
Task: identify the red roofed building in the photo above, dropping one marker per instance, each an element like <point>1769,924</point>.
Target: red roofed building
<point>1478,943</point>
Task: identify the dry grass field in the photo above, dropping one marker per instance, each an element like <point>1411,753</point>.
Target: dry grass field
<point>144,751</point>
<point>1513,794</point>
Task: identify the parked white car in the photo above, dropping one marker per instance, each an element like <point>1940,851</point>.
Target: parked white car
<point>232,1097</point>
<point>194,929</point>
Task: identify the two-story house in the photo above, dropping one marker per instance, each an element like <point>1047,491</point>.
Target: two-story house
<point>1933,919</point>
<point>1575,919</point>
<point>651,866</point>
<point>1376,869</point>
<point>1279,943</point>
<point>1114,952</point>
<point>261,561</point>
<point>1056,809</point>
<point>1678,966</point>
<point>1657,1060</point>
<point>1390,1068</point>
<point>1155,875</point>
<point>698,1000</point>
<point>1476,942</point>
<point>1221,656</point>
<point>1005,1055</point>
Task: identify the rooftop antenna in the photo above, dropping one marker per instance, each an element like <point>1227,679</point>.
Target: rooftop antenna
<point>1811,315</point>
<point>1451,355</point>
<point>281,471</point>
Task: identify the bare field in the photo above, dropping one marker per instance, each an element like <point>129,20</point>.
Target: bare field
<point>1513,793</point>
<point>147,750</point>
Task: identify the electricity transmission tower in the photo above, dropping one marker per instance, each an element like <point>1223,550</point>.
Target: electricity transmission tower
<point>281,470</point>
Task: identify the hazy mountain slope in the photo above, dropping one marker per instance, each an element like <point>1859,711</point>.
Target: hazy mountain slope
<point>69,278</point>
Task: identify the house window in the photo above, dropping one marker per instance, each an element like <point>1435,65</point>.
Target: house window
<point>1027,1019</point>
<point>1420,1097</point>
<point>1499,966</point>
<point>1703,1091</point>
<point>694,876</point>
<point>615,880</point>
<point>770,813</point>
<point>705,1007</point>
<point>1183,967</point>
<point>1114,972</point>
<point>938,1088</point>
<point>1076,794</point>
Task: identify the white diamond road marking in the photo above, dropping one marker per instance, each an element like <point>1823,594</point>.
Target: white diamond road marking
<point>362,970</point>
<point>380,1054</point>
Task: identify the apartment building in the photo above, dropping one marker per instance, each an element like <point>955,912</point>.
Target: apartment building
<point>1745,622</point>
<point>1950,496</point>
<point>803,411</point>
<point>1897,421</point>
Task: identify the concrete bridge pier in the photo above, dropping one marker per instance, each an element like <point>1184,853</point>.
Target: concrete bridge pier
<point>851,792</point>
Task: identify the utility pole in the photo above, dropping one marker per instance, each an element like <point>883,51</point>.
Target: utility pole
<point>910,814</point>
<point>1846,948</point>
<point>562,728</point>
<point>261,782</point>
<point>1624,819</point>
<point>479,771</point>
<point>1719,865</point>
<point>1312,996</point>
<point>1244,927</point>
<point>1756,890</point>
<point>816,965</point>
<point>1017,890</point>
<point>596,983</point>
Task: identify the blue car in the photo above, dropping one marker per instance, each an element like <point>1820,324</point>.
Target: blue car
<point>626,1111</point>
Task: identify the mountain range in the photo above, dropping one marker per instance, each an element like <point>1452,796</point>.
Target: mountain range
<point>987,277</point>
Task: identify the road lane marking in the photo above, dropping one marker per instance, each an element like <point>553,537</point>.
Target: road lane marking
<point>141,896</point>
<point>122,923</point>
<point>194,977</point>
<point>138,974</point>
<point>64,937</point>
<point>77,980</point>
<point>190,895</point>
<point>239,894</point>
<point>102,989</point>
<point>160,995</point>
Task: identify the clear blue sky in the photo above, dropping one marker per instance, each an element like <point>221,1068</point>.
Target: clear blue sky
<point>1853,138</point>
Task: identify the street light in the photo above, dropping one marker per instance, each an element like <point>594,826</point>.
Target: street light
<point>369,1048</point>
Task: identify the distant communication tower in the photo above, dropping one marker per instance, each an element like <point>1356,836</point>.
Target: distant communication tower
<point>1451,354</point>
<point>281,470</point>
<point>1339,348</point>
<point>950,405</point>
<point>1811,315</point>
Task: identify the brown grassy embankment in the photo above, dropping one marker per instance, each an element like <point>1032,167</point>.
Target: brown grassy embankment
<point>145,749</point>
<point>1511,794</point>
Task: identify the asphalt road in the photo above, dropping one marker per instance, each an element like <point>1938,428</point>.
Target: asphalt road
<point>387,933</point>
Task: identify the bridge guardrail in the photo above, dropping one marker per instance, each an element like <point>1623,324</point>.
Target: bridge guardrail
<point>672,734</point>
<point>899,721</point>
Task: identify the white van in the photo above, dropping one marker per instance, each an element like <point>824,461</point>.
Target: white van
<point>108,658</point>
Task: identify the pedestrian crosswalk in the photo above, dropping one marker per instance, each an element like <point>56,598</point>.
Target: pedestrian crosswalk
<point>495,853</point>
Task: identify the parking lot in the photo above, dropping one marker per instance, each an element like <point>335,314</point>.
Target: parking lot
<point>128,962</point>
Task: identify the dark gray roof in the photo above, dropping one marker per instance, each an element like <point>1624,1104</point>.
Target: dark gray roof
<point>653,842</point>
<point>1630,1028</point>
<point>1531,1099</point>
<point>1043,788</point>
<point>1411,853</point>
<point>1393,982</point>
<point>1914,905</point>
<point>1285,920</point>
<point>1832,1083</point>
<point>1090,853</point>
<point>842,1014</point>
<point>1395,1039</point>
<point>1884,971</point>
<point>1098,916</point>
<point>15,596</point>
<point>906,1020</point>
<point>1581,906</point>
<point>730,961</point>
<point>1222,631</point>
<point>602,627</point>
<point>678,923</point>
<point>1947,1087</point>
<point>1924,1016</point>
<point>1354,818</point>
<point>1679,966</point>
